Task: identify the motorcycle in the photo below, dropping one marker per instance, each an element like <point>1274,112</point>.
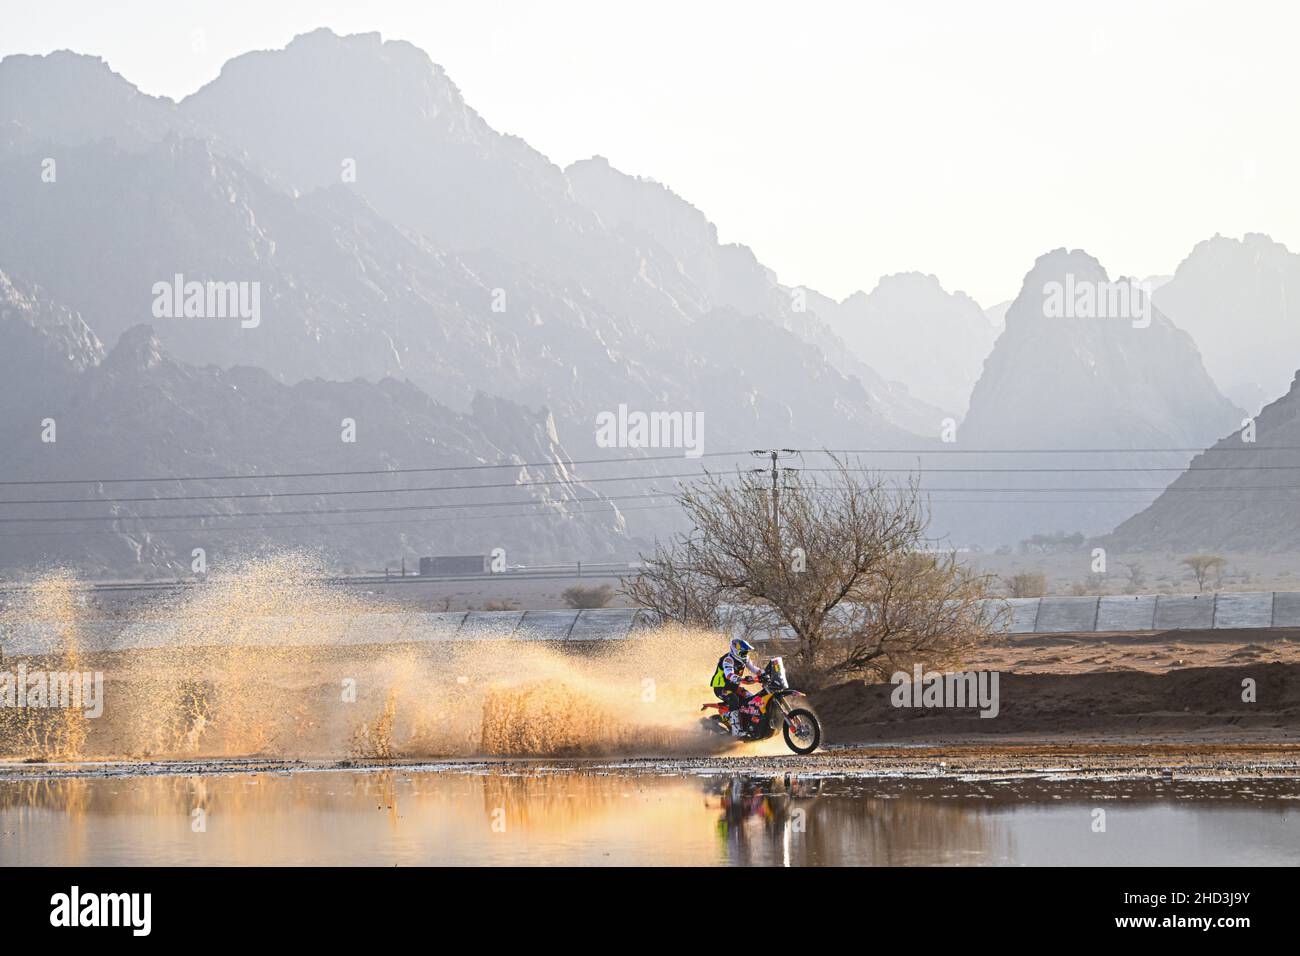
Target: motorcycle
<point>775,707</point>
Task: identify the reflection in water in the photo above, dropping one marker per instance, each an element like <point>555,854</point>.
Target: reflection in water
<point>541,816</point>
<point>792,825</point>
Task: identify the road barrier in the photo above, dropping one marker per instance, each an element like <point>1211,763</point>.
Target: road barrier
<point>1109,613</point>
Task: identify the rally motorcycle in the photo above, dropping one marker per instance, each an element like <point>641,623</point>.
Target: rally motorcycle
<point>775,707</point>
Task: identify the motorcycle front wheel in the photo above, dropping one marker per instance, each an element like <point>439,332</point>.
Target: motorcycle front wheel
<point>802,731</point>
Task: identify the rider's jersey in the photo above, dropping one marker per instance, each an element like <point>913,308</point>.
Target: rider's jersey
<point>731,669</point>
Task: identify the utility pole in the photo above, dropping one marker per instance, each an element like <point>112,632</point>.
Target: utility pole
<point>776,455</point>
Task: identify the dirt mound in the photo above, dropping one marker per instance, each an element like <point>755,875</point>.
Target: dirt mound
<point>1196,700</point>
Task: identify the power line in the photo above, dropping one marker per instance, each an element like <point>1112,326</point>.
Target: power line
<point>348,491</point>
<point>1095,501</point>
<point>158,479</point>
<point>325,492</point>
<point>324,526</point>
<point>1158,489</point>
<point>1075,490</point>
<point>310,511</point>
<point>775,455</point>
<point>1244,446</point>
<point>547,510</point>
<point>1071,471</point>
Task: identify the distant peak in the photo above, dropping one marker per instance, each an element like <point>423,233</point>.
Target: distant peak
<point>1060,262</point>
<point>83,70</point>
<point>326,35</point>
<point>914,284</point>
<point>59,58</point>
<point>1250,240</point>
<point>137,349</point>
<point>913,277</point>
<point>364,60</point>
<point>323,38</point>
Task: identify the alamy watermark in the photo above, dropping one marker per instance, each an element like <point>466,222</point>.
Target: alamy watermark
<point>66,690</point>
<point>624,429</point>
<point>75,908</point>
<point>1077,298</point>
<point>179,299</point>
<point>959,689</point>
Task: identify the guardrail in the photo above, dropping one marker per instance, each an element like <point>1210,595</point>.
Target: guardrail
<point>1154,612</point>
<point>1047,615</point>
<point>608,570</point>
<point>398,627</point>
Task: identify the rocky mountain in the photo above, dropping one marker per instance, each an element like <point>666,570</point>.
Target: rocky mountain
<point>136,412</point>
<point>326,106</point>
<point>408,270</point>
<point>1077,368</point>
<point>1239,495</point>
<point>1235,298</point>
<point>912,330</point>
<point>356,234</point>
<point>67,99</point>
<point>665,228</point>
<point>456,259</point>
<point>45,349</point>
<point>997,315</point>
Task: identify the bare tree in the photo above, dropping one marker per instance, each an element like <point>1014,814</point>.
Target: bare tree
<point>921,607</point>
<point>673,592</point>
<point>1203,566</point>
<point>838,565</point>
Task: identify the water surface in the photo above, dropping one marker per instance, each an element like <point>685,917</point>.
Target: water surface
<point>612,816</point>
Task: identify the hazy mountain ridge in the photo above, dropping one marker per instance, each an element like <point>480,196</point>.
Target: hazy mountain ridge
<point>730,276</point>
<point>45,349</point>
<point>1094,382</point>
<point>422,156</point>
<point>913,331</point>
<point>1235,297</point>
<point>346,294</point>
<point>169,418</point>
<point>1082,382</point>
<point>560,337</point>
<point>612,288</point>
<point>631,244</point>
<point>1253,505</point>
<point>69,99</point>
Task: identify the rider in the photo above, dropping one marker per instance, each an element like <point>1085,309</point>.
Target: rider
<point>733,668</point>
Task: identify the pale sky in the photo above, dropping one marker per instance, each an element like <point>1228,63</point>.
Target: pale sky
<point>840,141</point>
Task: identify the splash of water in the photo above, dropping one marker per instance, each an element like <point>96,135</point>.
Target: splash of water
<point>47,732</point>
<point>265,661</point>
